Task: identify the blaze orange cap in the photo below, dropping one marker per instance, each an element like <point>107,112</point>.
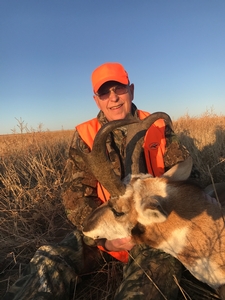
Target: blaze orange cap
<point>108,72</point>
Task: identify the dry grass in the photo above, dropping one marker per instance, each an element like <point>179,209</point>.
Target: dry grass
<point>204,137</point>
<point>31,214</point>
<point>31,172</point>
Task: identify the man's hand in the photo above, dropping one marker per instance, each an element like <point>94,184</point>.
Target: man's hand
<point>119,244</point>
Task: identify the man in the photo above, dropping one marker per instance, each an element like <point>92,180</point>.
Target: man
<point>149,273</point>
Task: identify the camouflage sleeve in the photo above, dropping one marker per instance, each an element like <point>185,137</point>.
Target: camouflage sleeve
<point>176,152</point>
<point>79,186</point>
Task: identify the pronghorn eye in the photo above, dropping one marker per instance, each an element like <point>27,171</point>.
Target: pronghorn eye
<point>116,213</point>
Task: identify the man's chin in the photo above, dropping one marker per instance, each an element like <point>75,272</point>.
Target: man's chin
<point>118,116</point>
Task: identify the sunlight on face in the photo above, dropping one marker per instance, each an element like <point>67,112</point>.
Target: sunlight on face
<point>116,106</point>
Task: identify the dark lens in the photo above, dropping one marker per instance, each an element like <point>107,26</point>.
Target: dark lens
<point>121,89</point>
<point>104,95</point>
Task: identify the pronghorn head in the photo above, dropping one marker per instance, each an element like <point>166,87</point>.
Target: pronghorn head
<point>140,205</point>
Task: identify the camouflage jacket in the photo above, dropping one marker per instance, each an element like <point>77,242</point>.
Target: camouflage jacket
<point>80,187</point>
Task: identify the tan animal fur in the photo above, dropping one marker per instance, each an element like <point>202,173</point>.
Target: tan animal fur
<point>170,214</point>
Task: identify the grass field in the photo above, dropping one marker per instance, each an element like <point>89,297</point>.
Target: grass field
<point>31,173</point>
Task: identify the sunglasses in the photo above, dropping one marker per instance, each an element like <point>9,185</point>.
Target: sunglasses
<point>118,90</point>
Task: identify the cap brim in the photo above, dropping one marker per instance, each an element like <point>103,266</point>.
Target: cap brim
<point>122,79</point>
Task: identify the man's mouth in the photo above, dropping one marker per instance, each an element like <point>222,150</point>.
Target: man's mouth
<point>116,107</point>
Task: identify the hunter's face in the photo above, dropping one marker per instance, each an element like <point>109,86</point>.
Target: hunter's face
<point>115,99</point>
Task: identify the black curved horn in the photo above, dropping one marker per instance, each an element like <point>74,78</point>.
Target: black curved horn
<point>97,160</point>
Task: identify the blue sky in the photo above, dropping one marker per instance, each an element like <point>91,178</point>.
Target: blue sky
<point>173,50</point>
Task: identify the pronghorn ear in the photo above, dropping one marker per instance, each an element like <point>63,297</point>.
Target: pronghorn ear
<point>152,211</point>
<point>180,171</point>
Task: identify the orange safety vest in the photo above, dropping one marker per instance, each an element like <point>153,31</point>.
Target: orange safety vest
<point>154,149</point>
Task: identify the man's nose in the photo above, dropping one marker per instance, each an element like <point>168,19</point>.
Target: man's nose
<point>113,96</point>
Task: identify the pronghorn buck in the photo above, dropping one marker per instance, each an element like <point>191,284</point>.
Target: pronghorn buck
<point>168,213</point>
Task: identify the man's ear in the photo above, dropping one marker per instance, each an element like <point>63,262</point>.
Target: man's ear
<point>131,87</point>
<point>151,212</point>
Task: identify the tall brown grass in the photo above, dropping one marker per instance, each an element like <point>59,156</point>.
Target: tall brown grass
<point>204,137</point>
<point>31,173</point>
<point>31,214</point>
